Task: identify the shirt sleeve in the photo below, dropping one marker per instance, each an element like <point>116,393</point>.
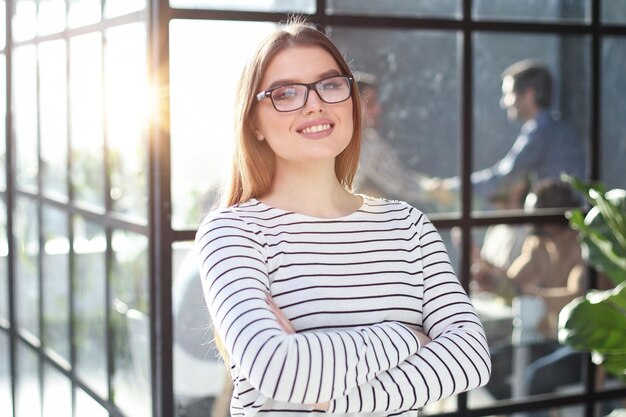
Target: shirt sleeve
<point>302,368</point>
<point>456,360</point>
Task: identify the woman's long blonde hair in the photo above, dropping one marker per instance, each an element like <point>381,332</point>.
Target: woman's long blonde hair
<point>254,164</point>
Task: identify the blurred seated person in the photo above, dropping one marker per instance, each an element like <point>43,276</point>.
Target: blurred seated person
<point>545,147</point>
<point>550,267</point>
<point>502,243</point>
<point>381,171</point>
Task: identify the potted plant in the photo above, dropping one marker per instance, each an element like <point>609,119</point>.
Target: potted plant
<point>596,323</point>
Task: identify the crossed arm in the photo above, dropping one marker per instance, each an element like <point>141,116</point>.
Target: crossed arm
<point>381,367</point>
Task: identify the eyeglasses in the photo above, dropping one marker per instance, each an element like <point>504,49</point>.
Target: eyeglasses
<point>293,96</point>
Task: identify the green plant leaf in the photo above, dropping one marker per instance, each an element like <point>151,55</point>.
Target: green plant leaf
<point>597,324</point>
<point>602,231</point>
<point>615,219</point>
<point>599,252</point>
<point>582,187</point>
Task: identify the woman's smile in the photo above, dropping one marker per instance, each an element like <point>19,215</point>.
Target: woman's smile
<point>317,129</point>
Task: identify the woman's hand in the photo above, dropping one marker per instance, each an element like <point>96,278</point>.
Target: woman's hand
<point>283,321</point>
<point>287,327</point>
<point>423,339</point>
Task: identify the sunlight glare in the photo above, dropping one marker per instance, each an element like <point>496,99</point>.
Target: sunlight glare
<point>126,86</point>
<point>3,14</point>
<point>83,12</point>
<point>51,17</point>
<point>226,4</point>
<point>86,91</point>
<point>52,96</point>
<point>113,8</point>
<point>25,20</point>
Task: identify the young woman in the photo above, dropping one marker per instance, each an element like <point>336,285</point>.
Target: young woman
<point>326,301</point>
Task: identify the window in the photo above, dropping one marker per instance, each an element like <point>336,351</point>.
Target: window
<point>73,228</point>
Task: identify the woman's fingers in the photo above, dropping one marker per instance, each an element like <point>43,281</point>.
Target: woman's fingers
<point>283,321</point>
<point>320,406</point>
<point>423,339</point>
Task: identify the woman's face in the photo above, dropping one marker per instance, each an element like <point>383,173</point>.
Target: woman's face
<point>318,131</point>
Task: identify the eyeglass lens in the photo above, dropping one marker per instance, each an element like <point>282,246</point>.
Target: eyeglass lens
<point>294,96</point>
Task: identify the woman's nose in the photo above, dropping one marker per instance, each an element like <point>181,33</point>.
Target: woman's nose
<point>313,103</point>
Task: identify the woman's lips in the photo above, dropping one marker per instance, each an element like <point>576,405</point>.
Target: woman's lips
<point>316,130</point>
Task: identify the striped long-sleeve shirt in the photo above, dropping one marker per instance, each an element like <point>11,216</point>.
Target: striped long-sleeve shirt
<point>350,286</point>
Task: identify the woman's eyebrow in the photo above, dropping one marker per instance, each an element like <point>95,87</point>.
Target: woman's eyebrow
<point>287,81</point>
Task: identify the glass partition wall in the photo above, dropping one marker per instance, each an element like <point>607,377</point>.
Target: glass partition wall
<point>75,196</point>
<point>117,125</point>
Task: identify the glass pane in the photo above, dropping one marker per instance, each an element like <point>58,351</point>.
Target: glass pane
<point>89,282</point>
<point>56,275</point>
<point>566,411</point>
<point>51,16</point>
<point>304,6</point>
<point>605,408</point>
<point>546,10</point>
<point>130,321</point>
<point>57,393</point>
<point>613,11</point>
<point>199,374</point>
<point>202,98</point>
<point>541,126</point>
<point>403,8</point>
<point>25,229</point>
<point>88,407</point>
<point>53,105</point>
<point>3,112</point>
<point>127,118</point>
<point>3,16</point>
<point>25,114</point>
<point>6,401</point>
<point>522,276</point>
<point>606,381</point>
<point>83,12</point>
<point>129,279</point>
<point>400,146</point>
<point>113,8</point>
<point>452,240</point>
<point>4,255</point>
<point>86,115</point>
<point>613,169</point>
<point>24,22</point>
<point>27,393</point>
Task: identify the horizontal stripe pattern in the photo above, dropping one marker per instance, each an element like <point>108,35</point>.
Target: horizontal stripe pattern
<point>350,287</point>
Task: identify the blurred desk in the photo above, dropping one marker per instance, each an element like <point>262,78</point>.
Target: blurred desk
<point>496,317</point>
<point>503,327</point>
<point>498,321</point>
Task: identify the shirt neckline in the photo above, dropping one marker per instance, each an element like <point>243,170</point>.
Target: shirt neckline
<point>353,214</point>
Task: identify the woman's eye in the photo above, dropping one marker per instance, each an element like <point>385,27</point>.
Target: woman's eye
<point>331,85</point>
<point>334,83</point>
<point>283,94</point>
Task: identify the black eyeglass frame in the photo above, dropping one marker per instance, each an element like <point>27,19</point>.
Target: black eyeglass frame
<point>309,86</point>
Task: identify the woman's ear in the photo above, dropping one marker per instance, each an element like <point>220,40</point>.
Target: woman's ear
<point>257,132</point>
